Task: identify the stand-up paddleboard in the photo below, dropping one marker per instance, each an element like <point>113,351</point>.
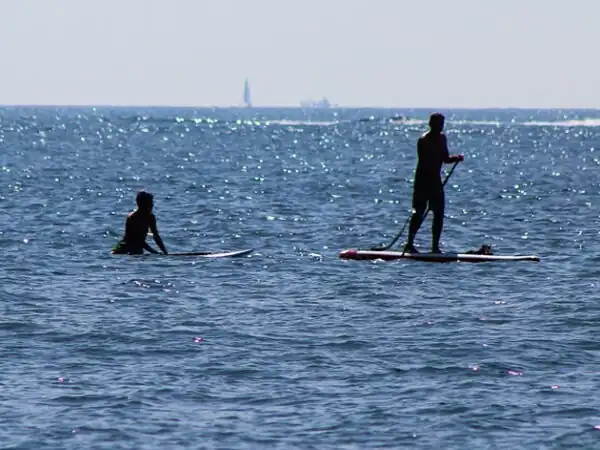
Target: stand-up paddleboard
<point>432,257</point>
<point>232,254</point>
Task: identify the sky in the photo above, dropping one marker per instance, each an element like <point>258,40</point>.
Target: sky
<point>381,53</point>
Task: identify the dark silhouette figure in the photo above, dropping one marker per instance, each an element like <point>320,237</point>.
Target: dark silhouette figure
<point>136,228</point>
<point>485,249</point>
<point>428,191</point>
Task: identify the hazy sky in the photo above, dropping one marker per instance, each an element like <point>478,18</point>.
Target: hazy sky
<point>397,53</point>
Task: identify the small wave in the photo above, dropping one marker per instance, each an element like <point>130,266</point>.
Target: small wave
<point>493,123</point>
<point>302,123</point>
<point>409,122</point>
<point>591,122</point>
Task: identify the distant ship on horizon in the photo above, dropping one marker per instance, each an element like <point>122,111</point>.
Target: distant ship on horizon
<point>247,98</point>
<point>319,104</point>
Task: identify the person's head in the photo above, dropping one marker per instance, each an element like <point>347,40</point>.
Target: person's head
<point>436,122</point>
<point>144,201</point>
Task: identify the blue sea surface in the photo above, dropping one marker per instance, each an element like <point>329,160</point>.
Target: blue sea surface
<point>293,347</point>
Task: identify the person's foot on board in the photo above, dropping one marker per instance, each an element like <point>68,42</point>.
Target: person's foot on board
<point>410,248</point>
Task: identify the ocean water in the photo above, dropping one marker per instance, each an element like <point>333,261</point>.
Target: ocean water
<point>291,347</point>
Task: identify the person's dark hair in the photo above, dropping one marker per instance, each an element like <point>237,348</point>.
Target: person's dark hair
<point>436,118</point>
<point>143,198</point>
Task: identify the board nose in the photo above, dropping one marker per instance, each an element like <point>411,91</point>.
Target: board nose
<point>346,254</point>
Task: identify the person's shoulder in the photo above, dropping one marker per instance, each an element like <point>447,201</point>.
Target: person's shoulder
<point>435,137</point>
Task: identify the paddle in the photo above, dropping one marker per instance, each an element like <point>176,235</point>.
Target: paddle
<point>386,247</point>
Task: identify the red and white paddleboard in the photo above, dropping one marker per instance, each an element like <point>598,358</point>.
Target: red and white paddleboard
<point>431,257</point>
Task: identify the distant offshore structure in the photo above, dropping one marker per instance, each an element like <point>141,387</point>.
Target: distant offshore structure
<point>247,98</point>
<point>309,104</point>
<point>319,104</point>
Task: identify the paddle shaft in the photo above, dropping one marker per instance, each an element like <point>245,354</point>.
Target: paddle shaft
<point>387,247</point>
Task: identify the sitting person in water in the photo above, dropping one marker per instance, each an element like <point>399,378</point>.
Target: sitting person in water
<point>136,229</point>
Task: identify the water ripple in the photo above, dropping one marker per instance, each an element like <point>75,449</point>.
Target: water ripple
<point>293,347</point>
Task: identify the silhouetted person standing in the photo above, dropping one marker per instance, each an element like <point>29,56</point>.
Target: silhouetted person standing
<point>428,191</point>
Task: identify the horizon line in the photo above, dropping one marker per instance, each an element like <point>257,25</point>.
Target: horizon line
<point>296,107</point>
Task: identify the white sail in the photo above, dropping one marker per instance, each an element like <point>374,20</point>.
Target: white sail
<point>247,99</point>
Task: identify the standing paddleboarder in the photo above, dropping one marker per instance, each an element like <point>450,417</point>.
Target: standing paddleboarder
<point>428,190</point>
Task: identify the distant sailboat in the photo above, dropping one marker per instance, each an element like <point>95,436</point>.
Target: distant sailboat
<point>247,99</point>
